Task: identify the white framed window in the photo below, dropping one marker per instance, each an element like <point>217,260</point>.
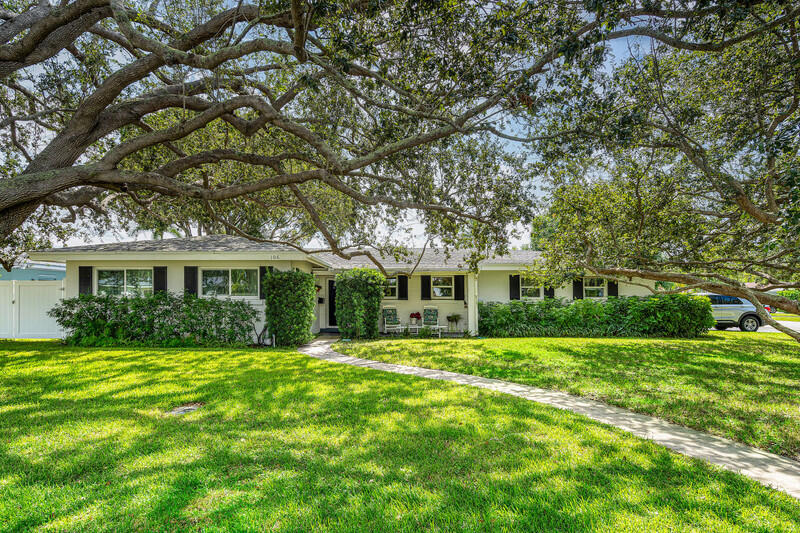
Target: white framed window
<point>390,289</point>
<point>442,287</point>
<point>241,282</point>
<point>594,288</point>
<point>124,281</point>
<point>528,290</point>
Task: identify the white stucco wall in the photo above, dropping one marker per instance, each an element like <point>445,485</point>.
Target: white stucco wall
<point>493,287</point>
<point>174,269</point>
<point>175,274</point>
<point>627,289</point>
<point>486,286</point>
<point>415,303</point>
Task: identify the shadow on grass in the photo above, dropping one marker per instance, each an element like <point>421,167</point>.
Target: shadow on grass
<point>744,387</point>
<point>288,443</point>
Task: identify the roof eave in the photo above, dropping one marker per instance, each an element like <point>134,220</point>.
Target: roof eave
<point>102,255</point>
<point>504,266</point>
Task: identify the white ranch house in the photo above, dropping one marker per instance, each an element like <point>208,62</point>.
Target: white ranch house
<point>231,267</point>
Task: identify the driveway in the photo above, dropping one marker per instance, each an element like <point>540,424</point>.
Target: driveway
<point>789,324</point>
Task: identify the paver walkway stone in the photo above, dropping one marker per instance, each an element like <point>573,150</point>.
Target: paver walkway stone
<point>767,468</point>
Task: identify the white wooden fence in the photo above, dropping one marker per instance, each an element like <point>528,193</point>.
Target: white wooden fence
<point>24,306</point>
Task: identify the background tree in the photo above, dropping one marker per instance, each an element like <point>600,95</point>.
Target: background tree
<point>113,105</point>
<point>685,170</point>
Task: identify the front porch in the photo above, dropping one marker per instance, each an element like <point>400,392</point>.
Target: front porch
<point>449,292</point>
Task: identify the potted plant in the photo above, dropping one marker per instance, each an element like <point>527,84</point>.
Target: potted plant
<point>452,321</point>
<point>414,317</point>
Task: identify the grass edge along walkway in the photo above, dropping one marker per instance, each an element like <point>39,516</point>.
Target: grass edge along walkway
<point>769,469</point>
<point>740,386</point>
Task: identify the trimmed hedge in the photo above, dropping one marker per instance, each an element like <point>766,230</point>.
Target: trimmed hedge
<point>290,300</point>
<point>162,319</point>
<point>674,315</point>
<point>358,302</point>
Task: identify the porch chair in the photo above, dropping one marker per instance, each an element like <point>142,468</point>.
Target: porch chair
<point>391,323</point>
<point>430,319</point>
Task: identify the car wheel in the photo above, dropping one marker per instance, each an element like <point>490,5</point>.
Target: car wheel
<point>721,327</point>
<point>749,323</point>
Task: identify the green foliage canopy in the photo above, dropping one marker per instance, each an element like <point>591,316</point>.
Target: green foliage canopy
<point>683,167</point>
<point>287,121</point>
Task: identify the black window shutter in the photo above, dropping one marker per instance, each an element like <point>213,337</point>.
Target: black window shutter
<point>458,290</point>
<point>613,288</point>
<point>549,292</point>
<point>425,293</point>
<point>577,289</point>
<point>402,287</point>
<point>85,280</point>
<point>513,287</point>
<point>190,280</point>
<point>262,273</point>
<point>159,279</point>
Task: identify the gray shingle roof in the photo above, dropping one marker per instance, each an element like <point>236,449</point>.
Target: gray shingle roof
<point>431,260</point>
<point>206,243</point>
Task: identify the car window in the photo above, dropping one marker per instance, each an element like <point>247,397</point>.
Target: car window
<point>718,299</point>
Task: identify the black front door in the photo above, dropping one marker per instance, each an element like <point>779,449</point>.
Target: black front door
<point>331,303</point>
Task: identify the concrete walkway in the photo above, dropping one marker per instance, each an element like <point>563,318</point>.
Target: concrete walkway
<point>766,468</point>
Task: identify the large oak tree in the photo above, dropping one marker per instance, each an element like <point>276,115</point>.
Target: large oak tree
<point>686,170</point>
<point>284,119</point>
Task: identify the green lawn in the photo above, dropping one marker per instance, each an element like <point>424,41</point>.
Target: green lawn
<point>288,443</point>
<point>744,386</point>
<point>786,316</point>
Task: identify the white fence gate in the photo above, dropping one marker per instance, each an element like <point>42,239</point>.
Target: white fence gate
<point>24,306</point>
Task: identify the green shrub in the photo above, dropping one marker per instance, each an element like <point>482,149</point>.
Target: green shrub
<point>358,302</point>
<point>162,319</point>
<point>675,315</point>
<point>792,294</point>
<point>426,332</point>
<point>290,301</point>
